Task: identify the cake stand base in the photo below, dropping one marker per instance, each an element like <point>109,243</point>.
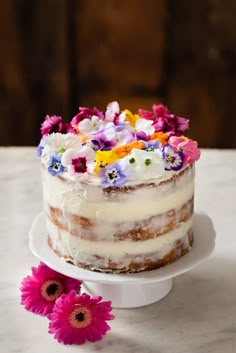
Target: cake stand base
<point>130,295</point>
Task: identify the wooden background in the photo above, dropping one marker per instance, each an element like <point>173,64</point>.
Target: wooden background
<point>58,54</point>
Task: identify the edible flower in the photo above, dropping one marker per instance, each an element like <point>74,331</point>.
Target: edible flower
<point>86,113</point>
<point>131,118</point>
<point>100,142</point>
<point>89,126</point>
<point>123,151</point>
<point>188,147</point>
<point>165,121</point>
<point>173,160</point>
<point>79,161</point>
<point>160,136</point>
<point>113,113</point>
<point>40,290</point>
<point>54,124</point>
<point>79,318</point>
<point>112,175</point>
<point>104,158</point>
<point>55,166</point>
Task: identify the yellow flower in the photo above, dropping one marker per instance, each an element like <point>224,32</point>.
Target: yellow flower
<point>160,136</point>
<point>104,158</point>
<point>131,118</point>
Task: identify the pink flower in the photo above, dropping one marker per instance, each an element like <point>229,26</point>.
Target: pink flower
<point>54,124</point>
<point>165,121</point>
<point>188,147</point>
<point>76,319</point>
<point>86,113</point>
<point>159,110</point>
<point>40,291</point>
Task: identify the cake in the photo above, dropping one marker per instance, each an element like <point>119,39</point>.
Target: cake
<point>118,188</point>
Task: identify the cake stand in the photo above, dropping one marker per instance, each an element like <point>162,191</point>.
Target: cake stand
<point>128,290</point>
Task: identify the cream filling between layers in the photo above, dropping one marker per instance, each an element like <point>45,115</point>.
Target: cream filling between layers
<point>142,204</point>
<point>69,245</point>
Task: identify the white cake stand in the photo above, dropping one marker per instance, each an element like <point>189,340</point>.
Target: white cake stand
<point>128,290</point>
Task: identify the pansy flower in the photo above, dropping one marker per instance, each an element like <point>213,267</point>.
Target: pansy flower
<point>112,175</point>
<point>124,150</point>
<point>124,134</point>
<point>86,113</point>
<point>79,318</point>
<point>55,166</point>
<point>100,142</point>
<point>188,147</point>
<point>79,161</point>
<point>54,124</point>
<point>144,128</point>
<point>40,290</point>
<point>173,160</point>
<point>144,164</point>
<point>151,146</point>
<point>104,158</point>
<point>89,126</point>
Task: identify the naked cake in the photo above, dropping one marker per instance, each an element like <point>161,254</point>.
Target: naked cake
<point>118,188</point>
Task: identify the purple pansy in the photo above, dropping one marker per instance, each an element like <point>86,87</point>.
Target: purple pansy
<point>173,160</point>
<point>55,167</point>
<point>101,142</point>
<point>141,135</point>
<point>152,146</point>
<point>86,113</point>
<point>112,175</point>
<point>40,147</point>
<point>54,124</point>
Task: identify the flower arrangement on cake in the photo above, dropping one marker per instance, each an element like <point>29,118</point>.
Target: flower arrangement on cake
<point>117,146</point>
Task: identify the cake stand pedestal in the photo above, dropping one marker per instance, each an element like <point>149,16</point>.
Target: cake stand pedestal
<point>129,290</point>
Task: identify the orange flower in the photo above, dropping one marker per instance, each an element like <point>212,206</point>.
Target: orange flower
<point>160,136</point>
<point>123,151</point>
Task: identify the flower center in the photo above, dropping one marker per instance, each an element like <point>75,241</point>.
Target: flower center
<point>51,290</point>
<point>80,317</point>
<point>79,164</point>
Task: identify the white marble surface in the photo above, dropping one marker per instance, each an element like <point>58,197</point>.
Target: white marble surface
<point>198,316</point>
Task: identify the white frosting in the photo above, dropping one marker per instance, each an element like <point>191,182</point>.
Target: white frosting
<point>87,251</point>
<point>90,202</point>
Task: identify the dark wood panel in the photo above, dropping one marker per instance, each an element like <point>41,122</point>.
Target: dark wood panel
<point>59,54</point>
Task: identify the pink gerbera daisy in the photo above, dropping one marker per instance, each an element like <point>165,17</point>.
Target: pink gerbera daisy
<point>40,291</point>
<point>78,318</point>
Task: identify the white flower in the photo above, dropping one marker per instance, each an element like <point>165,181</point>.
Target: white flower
<point>145,126</point>
<point>145,165</point>
<point>88,126</point>
<point>79,161</point>
<point>57,142</point>
<point>113,109</point>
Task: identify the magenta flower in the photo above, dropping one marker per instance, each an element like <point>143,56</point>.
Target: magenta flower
<point>76,319</point>
<point>165,121</point>
<point>40,291</point>
<point>159,110</point>
<point>86,113</point>
<point>54,124</point>
<point>188,147</point>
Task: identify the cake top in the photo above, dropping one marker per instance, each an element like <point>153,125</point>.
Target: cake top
<point>116,147</point>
